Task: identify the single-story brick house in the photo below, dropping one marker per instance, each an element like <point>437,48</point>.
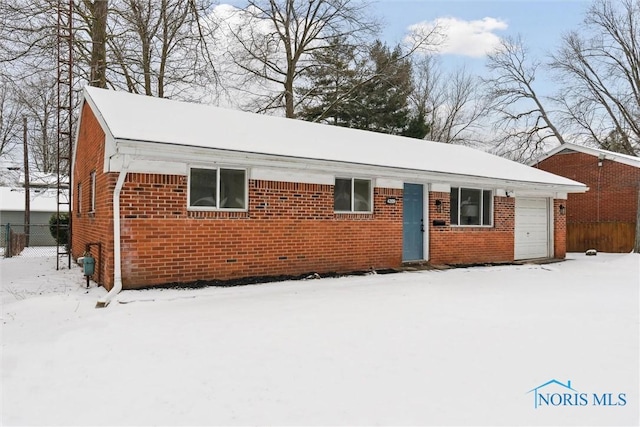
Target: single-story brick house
<point>180,192</point>
<point>604,218</point>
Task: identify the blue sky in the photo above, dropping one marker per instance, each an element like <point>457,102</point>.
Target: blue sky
<point>541,22</point>
<point>478,23</point>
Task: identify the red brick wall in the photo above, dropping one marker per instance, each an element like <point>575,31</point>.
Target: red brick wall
<point>559,230</point>
<point>468,245</point>
<point>289,229</point>
<point>613,188</point>
<point>93,226</point>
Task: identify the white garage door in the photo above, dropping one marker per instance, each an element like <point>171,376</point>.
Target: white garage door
<point>531,228</point>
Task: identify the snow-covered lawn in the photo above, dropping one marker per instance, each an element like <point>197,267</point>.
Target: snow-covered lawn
<point>456,347</point>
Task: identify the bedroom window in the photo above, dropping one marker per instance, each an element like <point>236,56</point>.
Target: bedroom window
<point>471,206</point>
<point>352,195</point>
<point>218,188</point>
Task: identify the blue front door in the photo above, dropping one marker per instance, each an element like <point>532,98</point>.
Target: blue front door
<point>412,222</point>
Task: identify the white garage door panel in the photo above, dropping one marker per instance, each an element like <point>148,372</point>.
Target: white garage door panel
<point>531,228</point>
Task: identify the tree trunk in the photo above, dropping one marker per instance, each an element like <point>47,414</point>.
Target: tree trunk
<point>99,44</point>
<point>288,99</point>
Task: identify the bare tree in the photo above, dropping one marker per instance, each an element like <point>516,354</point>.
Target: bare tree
<point>9,118</point>
<point>452,103</point>
<point>157,48</point>
<point>523,122</point>
<point>95,14</point>
<point>274,40</point>
<point>600,72</point>
<point>27,33</point>
<point>37,98</point>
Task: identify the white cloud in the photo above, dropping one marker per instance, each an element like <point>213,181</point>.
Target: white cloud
<point>456,36</point>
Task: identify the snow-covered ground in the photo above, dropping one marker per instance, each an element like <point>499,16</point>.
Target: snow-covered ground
<point>456,347</point>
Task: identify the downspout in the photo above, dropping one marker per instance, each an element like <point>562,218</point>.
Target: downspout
<point>117,264</point>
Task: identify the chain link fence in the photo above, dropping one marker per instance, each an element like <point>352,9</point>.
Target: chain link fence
<point>32,240</point>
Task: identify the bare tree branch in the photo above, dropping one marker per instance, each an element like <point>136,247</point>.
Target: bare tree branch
<point>274,40</point>
<point>600,73</point>
<point>523,122</point>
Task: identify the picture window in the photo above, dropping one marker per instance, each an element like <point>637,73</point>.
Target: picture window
<point>471,206</point>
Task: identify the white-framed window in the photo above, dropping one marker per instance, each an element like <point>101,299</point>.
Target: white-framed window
<point>352,195</point>
<point>471,206</point>
<point>217,188</point>
<point>92,196</point>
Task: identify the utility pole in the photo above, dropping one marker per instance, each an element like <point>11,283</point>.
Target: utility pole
<point>27,188</point>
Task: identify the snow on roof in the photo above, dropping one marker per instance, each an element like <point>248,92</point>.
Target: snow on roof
<point>12,199</point>
<point>142,118</point>
<point>609,155</point>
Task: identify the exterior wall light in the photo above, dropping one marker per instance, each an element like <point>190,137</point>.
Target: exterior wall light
<point>439,206</point>
<point>562,209</point>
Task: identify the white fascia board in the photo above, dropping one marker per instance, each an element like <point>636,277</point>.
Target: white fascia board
<point>290,175</point>
<point>533,192</point>
<point>389,183</point>
<point>153,152</point>
<point>149,166</point>
<point>440,188</point>
<point>75,141</point>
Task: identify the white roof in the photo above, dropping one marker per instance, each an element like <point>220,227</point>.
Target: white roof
<point>597,152</point>
<point>130,117</point>
<point>12,199</point>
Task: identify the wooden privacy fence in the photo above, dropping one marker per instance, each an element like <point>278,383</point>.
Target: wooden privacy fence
<point>12,243</point>
<point>604,236</point>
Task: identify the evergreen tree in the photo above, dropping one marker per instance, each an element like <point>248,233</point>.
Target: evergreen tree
<point>383,97</point>
<point>329,93</point>
<point>417,126</point>
<point>370,94</point>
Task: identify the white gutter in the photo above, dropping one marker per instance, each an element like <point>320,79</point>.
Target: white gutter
<point>117,264</point>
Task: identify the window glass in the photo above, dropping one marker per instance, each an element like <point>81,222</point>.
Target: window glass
<point>454,205</point>
<point>202,187</point>
<point>232,191</point>
<point>362,195</point>
<point>342,195</point>
<point>470,206</point>
<point>486,207</point>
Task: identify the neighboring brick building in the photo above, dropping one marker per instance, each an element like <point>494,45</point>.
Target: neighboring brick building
<point>177,192</point>
<point>604,218</point>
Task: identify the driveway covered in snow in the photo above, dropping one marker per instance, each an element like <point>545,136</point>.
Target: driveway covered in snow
<point>457,347</point>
